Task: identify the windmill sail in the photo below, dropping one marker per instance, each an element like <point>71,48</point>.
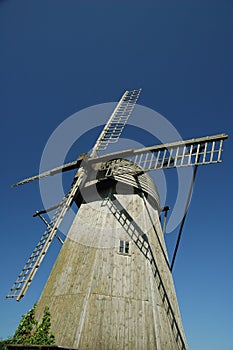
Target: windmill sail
<point>27,274</point>
<point>60,169</point>
<point>110,134</point>
<point>205,150</point>
<point>117,121</point>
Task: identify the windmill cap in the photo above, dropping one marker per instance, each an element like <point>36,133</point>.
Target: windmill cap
<point>125,183</point>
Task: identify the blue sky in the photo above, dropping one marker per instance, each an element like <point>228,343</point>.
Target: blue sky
<point>58,57</point>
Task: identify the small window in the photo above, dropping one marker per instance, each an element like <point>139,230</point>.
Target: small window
<point>124,247</point>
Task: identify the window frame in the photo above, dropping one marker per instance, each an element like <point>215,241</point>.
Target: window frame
<point>124,248</point>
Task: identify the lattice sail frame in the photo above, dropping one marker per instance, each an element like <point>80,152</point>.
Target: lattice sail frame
<point>117,121</point>
<point>27,274</point>
<point>110,134</point>
<point>63,168</point>
<point>200,151</point>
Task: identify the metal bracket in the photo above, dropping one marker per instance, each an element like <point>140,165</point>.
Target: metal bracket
<point>165,211</point>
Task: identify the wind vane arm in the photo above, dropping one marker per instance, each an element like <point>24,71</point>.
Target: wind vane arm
<point>117,121</point>
<point>60,169</point>
<point>204,150</point>
<point>27,274</point>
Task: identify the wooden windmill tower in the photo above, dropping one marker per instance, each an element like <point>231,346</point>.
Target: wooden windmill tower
<point>111,286</point>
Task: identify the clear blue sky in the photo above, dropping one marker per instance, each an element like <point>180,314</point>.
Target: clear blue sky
<point>57,57</point>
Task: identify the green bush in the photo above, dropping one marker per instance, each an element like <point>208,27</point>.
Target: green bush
<point>3,344</point>
<point>42,335</point>
<point>29,331</point>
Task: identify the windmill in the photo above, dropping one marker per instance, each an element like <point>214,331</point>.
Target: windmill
<point>111,286</point>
